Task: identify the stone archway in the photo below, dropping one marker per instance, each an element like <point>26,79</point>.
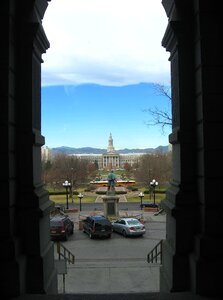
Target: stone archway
<point>192,216</point>
<point>27,252</point>
<point>193,252</point>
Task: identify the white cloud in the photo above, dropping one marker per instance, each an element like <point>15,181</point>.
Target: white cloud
<point>108,42</point>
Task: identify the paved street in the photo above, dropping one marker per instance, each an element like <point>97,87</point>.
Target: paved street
<point>113,265</point>
<point>131,206</point>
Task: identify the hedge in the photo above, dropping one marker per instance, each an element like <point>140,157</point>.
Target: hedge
<point>116,192</point>
<point>157,192</point>
<point>62,193</point>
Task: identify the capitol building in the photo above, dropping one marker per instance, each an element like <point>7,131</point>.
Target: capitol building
<point>111,159</point>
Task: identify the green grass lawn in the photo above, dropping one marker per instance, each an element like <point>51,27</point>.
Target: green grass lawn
<point>62,199</point>
<point>91,199</point>
<point>146,198</point>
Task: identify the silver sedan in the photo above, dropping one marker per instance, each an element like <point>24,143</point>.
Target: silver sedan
<point>128,227</point>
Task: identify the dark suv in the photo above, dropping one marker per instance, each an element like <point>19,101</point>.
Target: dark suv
<point>61,227</point>
<point>97,226</point>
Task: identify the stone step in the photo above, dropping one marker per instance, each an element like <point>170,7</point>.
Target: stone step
<point>118,296</point>
<point>110,276</point>
<point>110,262</point>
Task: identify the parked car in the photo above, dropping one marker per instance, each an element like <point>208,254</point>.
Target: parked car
<point>61,226</point>
<point>129,227</point>
<point>149,204</point>
<point>97,226</point>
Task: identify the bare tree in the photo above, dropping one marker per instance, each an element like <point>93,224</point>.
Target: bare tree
<point>67,168</point>
<point>161,117</point>
<point>46,167</point>
<point>156,166</point>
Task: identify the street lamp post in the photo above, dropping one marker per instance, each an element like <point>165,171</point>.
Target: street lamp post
<point>80,196</point>
<point>153,184</point>
<point>141,195</point>
<point>66,184</point>
<point>72,184</point>
<point>150,170</point>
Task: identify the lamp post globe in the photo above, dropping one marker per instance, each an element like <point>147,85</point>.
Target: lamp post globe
<point>153,184</point>
<point>67,184</point>
<point>72,184</point>
<point>80,196</point>
<point>141,195</point>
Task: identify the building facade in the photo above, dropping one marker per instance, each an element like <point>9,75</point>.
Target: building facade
<point>46,154</point>
<point>111,159</point>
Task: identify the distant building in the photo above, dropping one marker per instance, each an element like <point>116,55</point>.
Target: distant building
<point>46,154</point>
<point>111,159</point>
<point>108,160</point>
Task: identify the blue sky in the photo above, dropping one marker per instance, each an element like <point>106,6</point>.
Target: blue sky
<point>85,115</point>
<point>96,78</point>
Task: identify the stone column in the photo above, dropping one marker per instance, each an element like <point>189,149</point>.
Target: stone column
<point>206,261</point>
<point>33,204</point>
<point>192,252</point>
<point>181,202</point>
<point>9,239</point>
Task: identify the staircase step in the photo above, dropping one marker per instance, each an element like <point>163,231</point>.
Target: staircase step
<point>118,296</point>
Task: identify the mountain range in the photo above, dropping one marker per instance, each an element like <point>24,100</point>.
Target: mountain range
<point>90,150</point>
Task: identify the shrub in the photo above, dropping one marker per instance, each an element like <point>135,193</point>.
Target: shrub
<point>158,191</point>
<point>57,193</point>
<point>101,192</point>
<point>147,192</point>
<point>132,188</point>
<point>120,192</point>
<point>116,193</point>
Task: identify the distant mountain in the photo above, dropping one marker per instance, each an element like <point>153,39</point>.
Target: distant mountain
<point>162,149</point>
<point>83,150</point>
<point>90,150</point>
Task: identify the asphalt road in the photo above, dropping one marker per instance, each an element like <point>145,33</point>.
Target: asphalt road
<point>117,246</point>
<point>99,206</point>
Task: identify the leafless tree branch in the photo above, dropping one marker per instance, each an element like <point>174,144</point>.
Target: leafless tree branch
<point>160,117</point>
